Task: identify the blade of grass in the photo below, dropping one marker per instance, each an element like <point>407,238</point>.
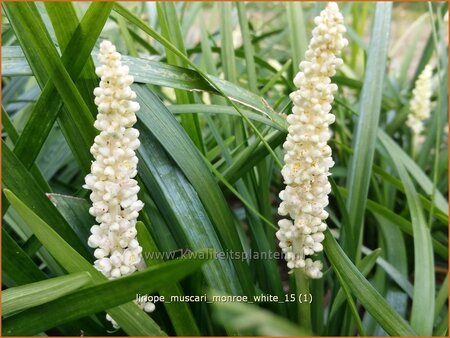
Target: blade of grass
<point>16,178</point>
<point>34,170</point>
<point>172,137</point>
<point>49,104</point>
<point>424,283</point>
<point>251,156</point>
<point>365,266</point>
<point>248,47</point>
<point>437,118</point>
<point>253,320</point>
<point>16,264</point>
<point>372,301</point>
<point>69,28</point>
<point>33,294</point>
<point>181,208</point>
<point>129,316</point>
<point>76,212</point>
<point>439,213</point>
<point>365,133</point>
<point>226,33</point>
<point>180,314</point>
<point>157,73</point>
<point>219,109</point>
<point>398,277</point>
<point>171,30</point>
<point>402,223</point>
<point>351,303</point>
<point>168,44</point>
<point>297,33</point>
<point>96,298</point>
<point>441,298</point>
<point>35,39</point>
<point>414,170</point>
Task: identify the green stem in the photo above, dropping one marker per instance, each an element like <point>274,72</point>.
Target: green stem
<point>304,308</point>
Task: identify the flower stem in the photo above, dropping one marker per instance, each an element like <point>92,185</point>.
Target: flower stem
<point>304,308</point>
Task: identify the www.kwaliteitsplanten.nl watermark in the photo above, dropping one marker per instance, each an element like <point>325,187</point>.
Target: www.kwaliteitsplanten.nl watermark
<point>220,255</point>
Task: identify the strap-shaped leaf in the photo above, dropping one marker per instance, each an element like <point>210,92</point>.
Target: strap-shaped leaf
<point>422,313</point>
<point>47,66</point>
<point>16,178</point>
<point>129,316</point>
<point>33,294</point>
<point>96,298</point>
<point>366,132</point>
<point>166,129</point>
<point>372,301</point>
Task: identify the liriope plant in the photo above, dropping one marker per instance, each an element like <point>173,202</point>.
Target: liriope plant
<point>204,113</point>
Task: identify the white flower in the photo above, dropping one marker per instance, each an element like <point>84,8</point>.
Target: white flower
<point>420,104</point>
<point>307,156</point>
<point>115,204</point>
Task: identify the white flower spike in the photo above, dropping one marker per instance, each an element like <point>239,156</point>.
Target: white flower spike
<point>307,156</point>
<point>420,104</point>
<point>115,203</point>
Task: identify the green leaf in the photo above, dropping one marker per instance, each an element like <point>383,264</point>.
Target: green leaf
<point>179,312</point>
<point>427,204</point>
<point>248,47</point>
<point>96,298</point>
<point>129,316</point>
<point>372,301</point>
<point>219,109</point>
<point>297,32</point>
<point>396,276</point>
<point>46,64</point>
<point>422,313</point>
<point>351,303</point>
<point>157,73</point>
<point>415,171</point>
<point>167,44</point>
<point>16,178</point>
<point>227,50</point>
<point>14,136</point>
<point>251,156</point>
<point>16,264</point>
<point>364,266</point>
<point>76,212</point>
<point>33,294</point>
<point>252,320</point>
<point>402,223</point>
<point>366,132</point>
<point>166,129</point>
<point>171,30</point>
<point>181,207</point>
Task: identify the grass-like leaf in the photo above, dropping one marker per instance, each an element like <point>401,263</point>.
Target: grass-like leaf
<point>33,294</point>
<point>96,298</point>
<point>372,301</point>
<point>129,316</point>
<point>365,133</point>
<point>422,315</point>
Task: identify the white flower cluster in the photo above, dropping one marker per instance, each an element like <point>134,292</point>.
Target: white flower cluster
<point>115,203</point>
<point>420,104</point>
<point>307,156</point>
